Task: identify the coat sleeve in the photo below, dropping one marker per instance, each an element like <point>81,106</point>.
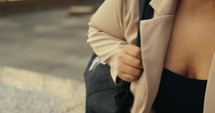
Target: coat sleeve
<point>106,33</point>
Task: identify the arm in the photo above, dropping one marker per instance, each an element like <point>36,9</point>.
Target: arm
<point>106,33</point>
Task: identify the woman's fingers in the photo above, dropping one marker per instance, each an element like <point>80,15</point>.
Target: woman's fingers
<point>134,51</point>
<point>127,69</point>
<point>130,63</point>
<point>128,78</point>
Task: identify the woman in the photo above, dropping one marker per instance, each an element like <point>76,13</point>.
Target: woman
<point>173,71</point>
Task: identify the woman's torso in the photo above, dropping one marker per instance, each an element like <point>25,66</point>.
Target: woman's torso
<point>189,53</point>
<point>192,43</point>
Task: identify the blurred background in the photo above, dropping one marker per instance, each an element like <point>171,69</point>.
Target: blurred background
<point>43,53</point>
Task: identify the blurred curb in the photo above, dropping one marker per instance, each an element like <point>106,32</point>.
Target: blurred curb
<point>14,7</point>
<point>82,10</point>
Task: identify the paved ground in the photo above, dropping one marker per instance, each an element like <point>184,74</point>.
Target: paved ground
<point>50,42</point>
<point>42,59</point>
<point>23,91</point>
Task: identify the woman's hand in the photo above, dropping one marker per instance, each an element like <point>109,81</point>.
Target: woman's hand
<point>130,63</point>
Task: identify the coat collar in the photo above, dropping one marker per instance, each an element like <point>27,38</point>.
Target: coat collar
<point>164,7</point>
<point>155,35</point>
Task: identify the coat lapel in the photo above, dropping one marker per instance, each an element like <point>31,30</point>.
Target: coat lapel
<point>210,92</point>
<point>164,7</point>
<point>155,34</point>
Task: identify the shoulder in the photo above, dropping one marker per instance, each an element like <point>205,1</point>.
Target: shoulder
<point>115,16</point>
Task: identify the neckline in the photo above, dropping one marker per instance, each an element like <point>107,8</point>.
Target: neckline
<point>182,76</point>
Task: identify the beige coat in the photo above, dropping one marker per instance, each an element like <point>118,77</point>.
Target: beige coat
<point>115,24</point>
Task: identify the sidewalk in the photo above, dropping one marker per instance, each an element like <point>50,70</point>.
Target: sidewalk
<point>50,42</point>
<point>22,91</point>
<point>42,59</point>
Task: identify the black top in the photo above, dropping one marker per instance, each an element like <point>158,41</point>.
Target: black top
<point>179,94</point>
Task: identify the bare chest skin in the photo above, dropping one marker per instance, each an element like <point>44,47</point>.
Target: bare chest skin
<point>191,46</point>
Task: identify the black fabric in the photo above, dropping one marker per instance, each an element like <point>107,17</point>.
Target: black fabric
<point>102,94</point>
<point>179,94</point>
<point>146,12</point>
